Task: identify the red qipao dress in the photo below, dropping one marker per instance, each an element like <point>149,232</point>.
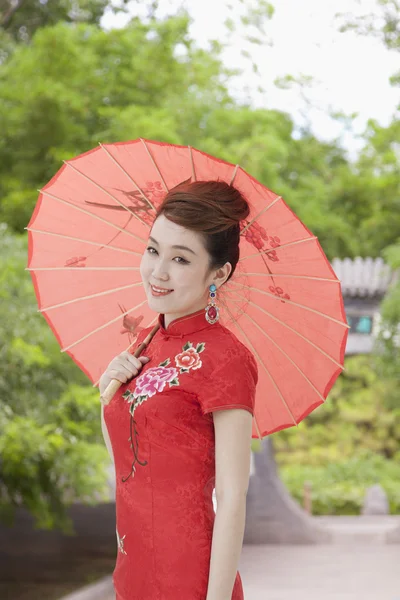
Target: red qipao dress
<point>162,435</point>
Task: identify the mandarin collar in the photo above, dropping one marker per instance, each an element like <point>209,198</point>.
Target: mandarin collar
<point>179,328</point>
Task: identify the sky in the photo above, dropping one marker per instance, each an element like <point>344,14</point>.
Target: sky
<point>351,73</point>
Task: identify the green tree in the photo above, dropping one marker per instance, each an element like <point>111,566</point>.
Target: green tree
<point>74,87</point>
<point>20,19</point>
<point>51,447</point>
<point>100,86</point>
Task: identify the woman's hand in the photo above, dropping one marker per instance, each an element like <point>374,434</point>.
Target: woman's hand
<point>123,367</point>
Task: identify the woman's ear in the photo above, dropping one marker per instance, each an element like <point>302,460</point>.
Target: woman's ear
<point>222,274</point>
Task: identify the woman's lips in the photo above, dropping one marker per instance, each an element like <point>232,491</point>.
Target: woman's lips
<point>157,293</point>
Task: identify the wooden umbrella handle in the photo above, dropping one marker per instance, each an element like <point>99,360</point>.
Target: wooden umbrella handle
<point>114,384</point>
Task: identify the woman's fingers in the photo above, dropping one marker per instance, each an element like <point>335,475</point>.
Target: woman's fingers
<point>125,366</point>
<point>133,360</point>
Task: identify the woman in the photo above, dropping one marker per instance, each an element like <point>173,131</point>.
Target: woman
<point>168,430</point>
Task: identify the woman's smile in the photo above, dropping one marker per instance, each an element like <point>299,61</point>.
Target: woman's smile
<point>156,291</point>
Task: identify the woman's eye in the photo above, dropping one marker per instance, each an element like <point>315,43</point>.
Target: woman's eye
<point>178,259</point>
<point>182,261</point>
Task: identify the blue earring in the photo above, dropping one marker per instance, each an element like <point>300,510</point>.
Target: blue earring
<point>212,310</point>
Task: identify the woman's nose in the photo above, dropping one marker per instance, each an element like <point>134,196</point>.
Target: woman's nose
<point>160,273</point>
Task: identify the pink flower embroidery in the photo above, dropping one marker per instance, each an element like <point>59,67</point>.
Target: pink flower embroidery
<point>154,380</point>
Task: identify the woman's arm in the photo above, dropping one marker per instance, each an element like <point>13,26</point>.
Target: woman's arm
<point>233,429</point>
<point>105,434</point>
<point>103,383</point>
<point>226,548</point>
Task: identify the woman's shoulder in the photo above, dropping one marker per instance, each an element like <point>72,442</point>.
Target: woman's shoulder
<point>227,358</point>
<point>229,345</point>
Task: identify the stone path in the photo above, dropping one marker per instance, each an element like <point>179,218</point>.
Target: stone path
<point>334,572</point>
<point>358,565</point>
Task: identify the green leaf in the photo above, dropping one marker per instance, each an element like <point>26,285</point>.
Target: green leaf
<point>174,382</point>
<point>165,363</point>
<point>187,346</point>
<point>183,370</point>
<point>200,347</point>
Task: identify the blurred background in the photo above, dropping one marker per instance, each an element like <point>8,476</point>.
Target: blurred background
<point>305,97</point>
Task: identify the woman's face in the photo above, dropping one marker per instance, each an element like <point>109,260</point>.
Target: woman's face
<point>176,262</point>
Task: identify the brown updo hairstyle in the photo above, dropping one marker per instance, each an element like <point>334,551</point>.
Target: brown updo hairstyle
<point>214,209</point>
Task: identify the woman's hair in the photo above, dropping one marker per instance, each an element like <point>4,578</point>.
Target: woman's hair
<point>214,209</point>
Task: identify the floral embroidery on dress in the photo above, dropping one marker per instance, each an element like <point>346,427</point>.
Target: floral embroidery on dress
<point>189,358</point>
<point>120,542</point>
<point>154,380</point>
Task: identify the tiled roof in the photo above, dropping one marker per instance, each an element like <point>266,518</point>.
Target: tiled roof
<point>364,277</point>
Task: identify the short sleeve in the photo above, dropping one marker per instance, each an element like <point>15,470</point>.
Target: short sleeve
<point>232,384</point>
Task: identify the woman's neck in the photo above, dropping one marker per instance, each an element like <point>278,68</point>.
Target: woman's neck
<point>168,318</point>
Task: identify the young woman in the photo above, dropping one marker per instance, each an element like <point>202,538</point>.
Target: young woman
<point>183,425</point>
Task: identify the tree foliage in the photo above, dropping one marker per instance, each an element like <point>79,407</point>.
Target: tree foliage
<point>347,444</point>
<point>339,488</point>
<point>21,18</point>
<point>51,447</point>
<point>75,86</point>
<point>383,23</point>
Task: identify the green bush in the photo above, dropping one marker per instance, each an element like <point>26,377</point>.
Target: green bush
<point>347,444</point>
<point>339,488</point>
